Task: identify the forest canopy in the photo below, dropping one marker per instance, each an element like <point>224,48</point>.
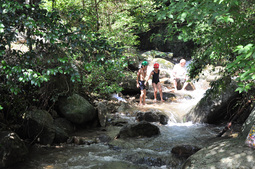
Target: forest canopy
<point>88,43</point>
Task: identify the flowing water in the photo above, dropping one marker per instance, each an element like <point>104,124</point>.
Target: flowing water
<point>131,153</point>
<point>136,153</point>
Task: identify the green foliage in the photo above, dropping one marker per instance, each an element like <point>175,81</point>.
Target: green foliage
<point>242,66</point>
<point>53,48</point>
<point>84,42</point>
<point>218,28</point>
<point>119,21</point>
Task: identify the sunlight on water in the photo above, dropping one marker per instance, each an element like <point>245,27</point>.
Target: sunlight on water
<point>141,152</point>
<point>187,124</point>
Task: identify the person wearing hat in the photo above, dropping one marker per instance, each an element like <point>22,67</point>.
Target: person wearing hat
<point>155,82</point>
<point>141,74</point>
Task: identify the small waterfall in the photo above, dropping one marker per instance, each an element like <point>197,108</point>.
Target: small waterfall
<point>135,153</point>
<point>116,96</point>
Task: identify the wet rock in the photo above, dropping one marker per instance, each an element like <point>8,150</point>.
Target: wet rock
<point>184,150</point>
<point>164,64</point>
<point>12,149</point>
<point>187,97</point>
<point>166,96</point>
<point>180,83</point>
<point>133,63</point>
<point>103,138</point>
<point>168,81</point>
<point>214,108</point>
<point>113,147</point>
<point>83,140</point>
<point>77,109</point>
<point>61,136</point>
<point>128,83</point>
<point>123,107</point>
<point>247,125</point>
<point>119,119</point>
<point>78,140</point>
<point>147,116</point>
<point>115,121</point>
<point>39,126</point>
<point>190,87</point>
<point>152,117</point>
<point>151,161</point>
<point>139,129</point>
<point>227,153</point>
<point>102,113</point>
<point>158,54</point>
<point>163,119</point>
<point>211,73</point>
<point>119,123</point>
<point>65,125</point>
<point>164,74</point>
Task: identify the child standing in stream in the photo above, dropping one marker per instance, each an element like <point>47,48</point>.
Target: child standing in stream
<point>141,81</point>
<point>155,82</point>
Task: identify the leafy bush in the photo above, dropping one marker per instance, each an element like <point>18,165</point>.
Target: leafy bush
<point>55,58</point>
<point>223,32</point>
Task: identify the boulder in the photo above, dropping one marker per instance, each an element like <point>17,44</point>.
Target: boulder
<point>60,135</point>
<point>63,128</point>
<point>211,73</point>
<point>102,113</point>
<point>39,126</point>
<point>157,54</point>
<point>12,149</point>
<point>213,108</point>
<point>128,83</point>
<point>133,62</point>
<point>163,64</point>
<point>65,125</point>
<point>152,117</point>
<point>79,140</point>
<point>190,86</point>
<point>166,96</point>
<point>247,125</point>
<point>184,150</point>
<point>226,153</point>
<point>138,129</point>
<point>77,109</point>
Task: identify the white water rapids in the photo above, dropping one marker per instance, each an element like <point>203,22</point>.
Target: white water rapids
<point>131,153</point>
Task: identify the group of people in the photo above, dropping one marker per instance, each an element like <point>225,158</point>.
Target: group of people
<point>179,75</point>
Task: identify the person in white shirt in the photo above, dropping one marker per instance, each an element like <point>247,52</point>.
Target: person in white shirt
<point>180,74</point>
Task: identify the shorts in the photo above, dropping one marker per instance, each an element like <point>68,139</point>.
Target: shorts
<point>141,84</point>
<point>156,82</point>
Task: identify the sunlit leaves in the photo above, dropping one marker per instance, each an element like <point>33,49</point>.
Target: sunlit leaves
<point>221,29</point>
<point>225,19</point>
<point>182,16</point>
<point>67,49</point>
<point>243,66</point>
<point>1,27</point>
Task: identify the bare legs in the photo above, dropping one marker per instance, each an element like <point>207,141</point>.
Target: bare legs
<point>142,97</point>
<point>175,84</point>
<point>178,83</point>
<point>155,86</point>
<point>155,91</point>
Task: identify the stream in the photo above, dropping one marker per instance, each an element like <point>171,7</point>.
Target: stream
<point>130,153</point>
